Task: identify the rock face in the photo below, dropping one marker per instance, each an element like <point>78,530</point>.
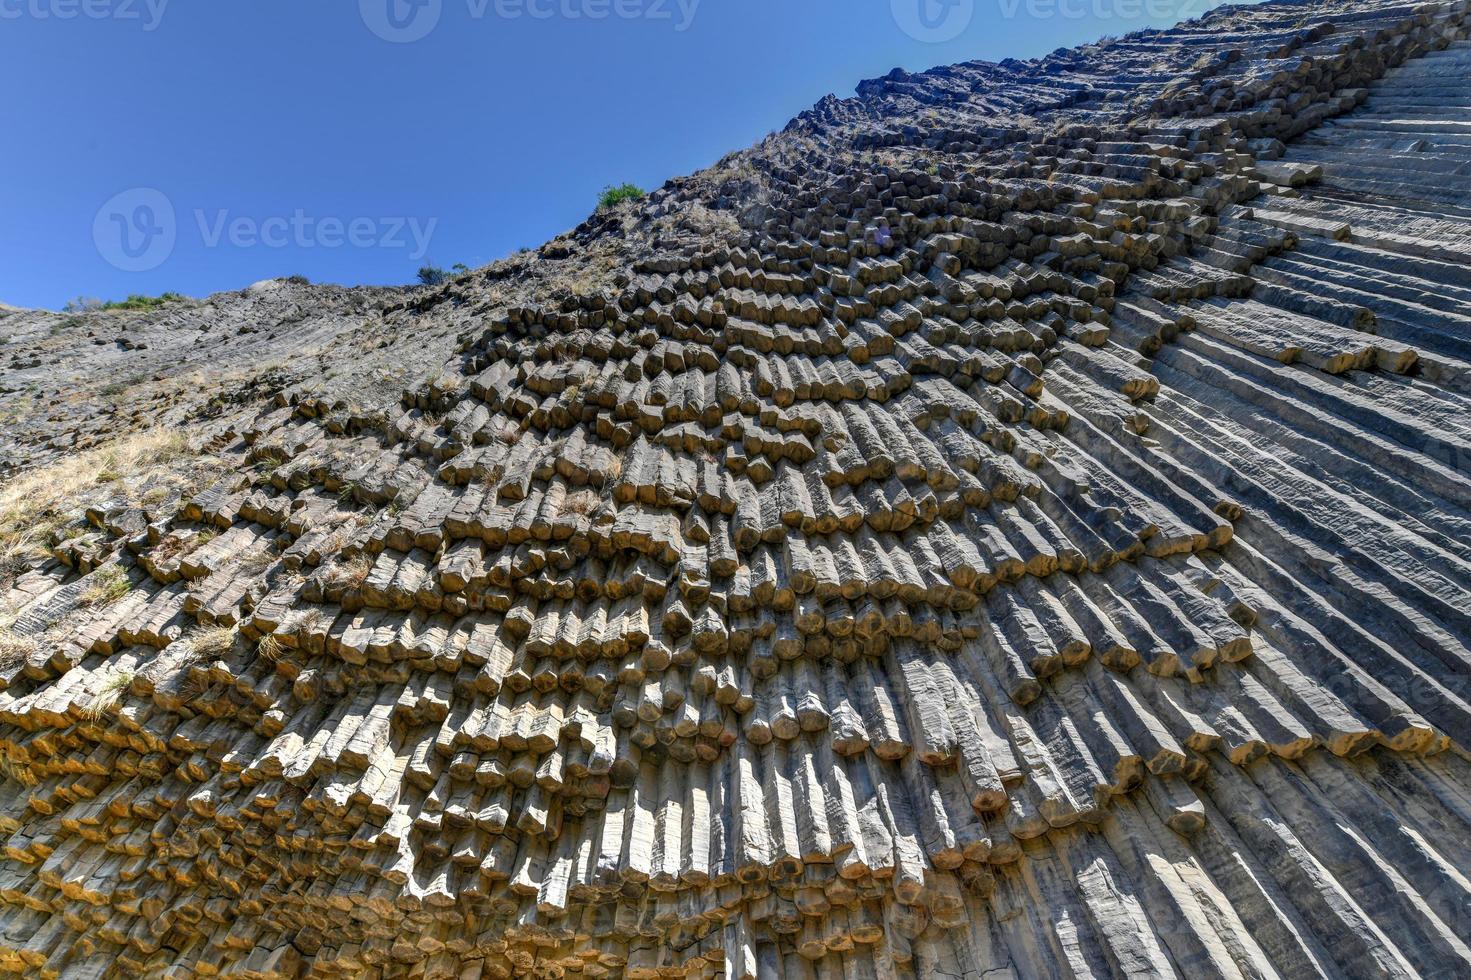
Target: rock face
<point>1021,528</point>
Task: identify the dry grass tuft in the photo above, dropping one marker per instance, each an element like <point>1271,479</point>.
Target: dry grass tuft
<point>351,574</point>
<point>14,648</point>
<point>109,695</point>
<point>258,561</point>
<point>312,619</point>
<point>105,586</point>
<point>580,502</point>
<point>213,642</point>
<point>708,223</point>
<point>444,383</point>
<point>270,647</point>
<point>196,684</point>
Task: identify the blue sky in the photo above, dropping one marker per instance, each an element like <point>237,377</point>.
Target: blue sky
<point>195,146</point>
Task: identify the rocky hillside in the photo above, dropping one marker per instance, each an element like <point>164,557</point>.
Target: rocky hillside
<point>1014,522</point>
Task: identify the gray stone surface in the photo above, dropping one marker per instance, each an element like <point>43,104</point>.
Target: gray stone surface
<point>1015,522</point>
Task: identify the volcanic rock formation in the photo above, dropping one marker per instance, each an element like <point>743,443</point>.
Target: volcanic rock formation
<point>1013,523</point>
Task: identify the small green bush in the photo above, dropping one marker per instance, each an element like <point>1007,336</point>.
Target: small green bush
<point>432,275</point>
<point>614,196</point>
<point>138,301</point>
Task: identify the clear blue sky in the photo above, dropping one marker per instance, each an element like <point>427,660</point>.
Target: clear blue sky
<point>289,137</point>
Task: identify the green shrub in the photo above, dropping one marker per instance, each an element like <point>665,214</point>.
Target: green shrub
<point>614,196</point>
<point>138,301</point>
<point>432,275</point>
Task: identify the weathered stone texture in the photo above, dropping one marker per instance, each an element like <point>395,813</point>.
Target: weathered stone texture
<point>1037,544</point>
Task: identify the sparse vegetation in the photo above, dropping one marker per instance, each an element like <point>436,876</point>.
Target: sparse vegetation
<point>213,642</point>
<point>17,407</point>
<point>108,695</point>
<point>580,502</point>
<point>258,561</point>
<point>39,502</point>
<point>180,543</point>
<point>311,620</point>
<point>105,586</point>
<point>433,275</point>
<point>14,648</point>
<point>196,683</point>
<point>269,647</point>
<point>137,301</point>
<point>351,574</point>
<point>614,196</point>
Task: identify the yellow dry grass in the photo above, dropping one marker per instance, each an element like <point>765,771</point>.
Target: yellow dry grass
<point>352,573</point>
<point>37,502</point>
<point>105,586</point>
<point>580,502</point>
<point>270,648</point>
<point>14,648</point>
<point>213,642</point>
<point>109,695</point>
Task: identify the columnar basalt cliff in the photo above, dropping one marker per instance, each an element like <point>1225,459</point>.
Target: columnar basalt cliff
<point>1013,523</point>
